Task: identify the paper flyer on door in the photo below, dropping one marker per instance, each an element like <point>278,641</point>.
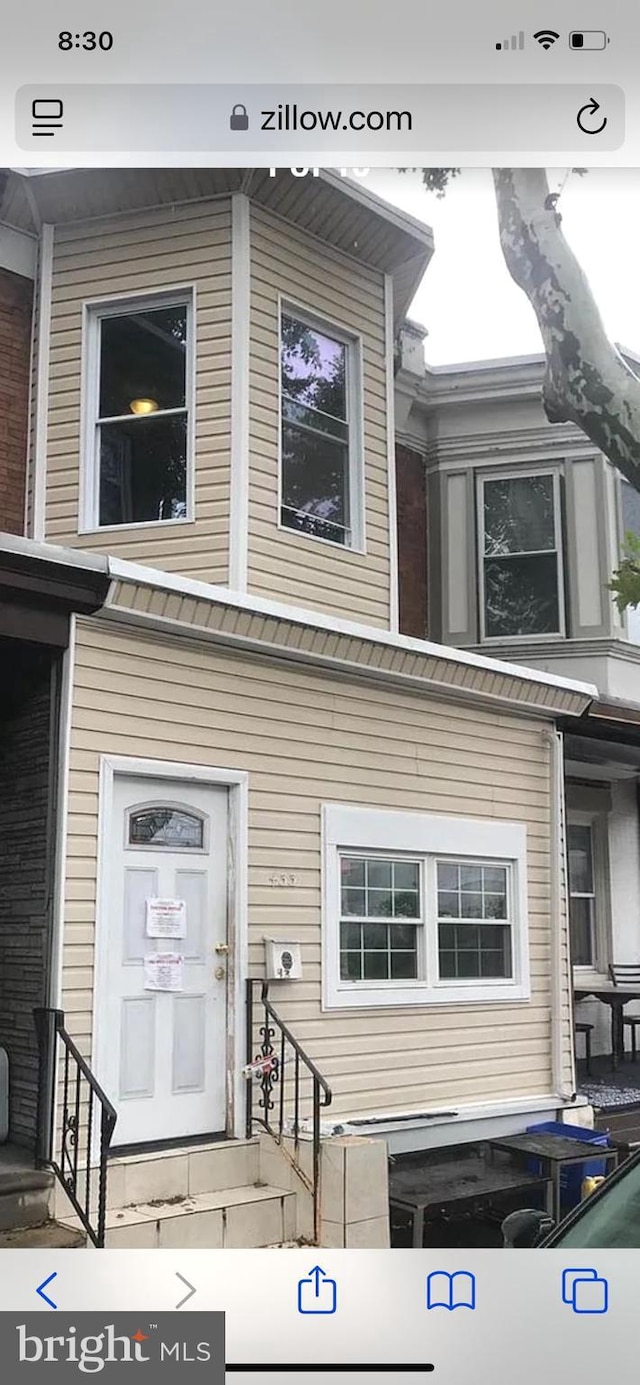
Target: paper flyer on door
<point>166,918</point>
<point>163,971</point>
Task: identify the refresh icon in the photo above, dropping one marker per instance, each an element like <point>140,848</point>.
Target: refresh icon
<point>586,115</point>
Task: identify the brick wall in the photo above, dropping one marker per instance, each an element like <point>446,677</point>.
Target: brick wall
<point>412,542</point>
<point>26,865</point>
<point>15,347</point>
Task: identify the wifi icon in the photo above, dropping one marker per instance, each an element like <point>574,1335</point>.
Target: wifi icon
<point>546,37</point>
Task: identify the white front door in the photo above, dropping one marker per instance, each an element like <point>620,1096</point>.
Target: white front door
<point>162,1029</point>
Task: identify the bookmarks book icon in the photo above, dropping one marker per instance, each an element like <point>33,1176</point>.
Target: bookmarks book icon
<point>457,1290</point>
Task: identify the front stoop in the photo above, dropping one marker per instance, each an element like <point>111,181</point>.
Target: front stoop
<point>206,1197</point>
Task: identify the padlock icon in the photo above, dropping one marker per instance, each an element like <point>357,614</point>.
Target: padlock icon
<point>239,120</point>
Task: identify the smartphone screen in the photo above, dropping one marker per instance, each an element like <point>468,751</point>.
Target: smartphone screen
<point>320,699</point>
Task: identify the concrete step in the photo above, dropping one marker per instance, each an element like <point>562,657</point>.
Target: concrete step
<point>26,1197</point>
<point>230,1218</point>
<point>173,1173</point>
<point>49,1235</point>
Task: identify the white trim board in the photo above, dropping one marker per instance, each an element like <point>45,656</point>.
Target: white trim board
<point>240,370</point>
<point>237,781</point>
<point>394,595</point>
<point>42,382</point>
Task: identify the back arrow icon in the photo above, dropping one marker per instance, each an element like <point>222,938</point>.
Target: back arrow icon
<point>586,114</point>
<point>41,1288</point>
<point>190,1288</point>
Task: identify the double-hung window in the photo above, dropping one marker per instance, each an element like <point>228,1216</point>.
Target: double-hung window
<point>320,480</point>
<point>420,909</point>
<point>521,556</point>
<point>138,392</point>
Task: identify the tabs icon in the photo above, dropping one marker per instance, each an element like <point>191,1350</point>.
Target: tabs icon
<point>46,116</point>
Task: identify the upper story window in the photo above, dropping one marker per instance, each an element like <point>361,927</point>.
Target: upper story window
<point>320,483</point>
<point>521,558</point>
<point>138,397</point>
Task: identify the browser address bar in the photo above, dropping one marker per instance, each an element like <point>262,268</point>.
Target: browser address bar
<point>273,118</point>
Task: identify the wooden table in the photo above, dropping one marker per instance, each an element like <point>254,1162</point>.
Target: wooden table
<point>616,997</point>
<point>554,1152</point>
<point>456,1182</point>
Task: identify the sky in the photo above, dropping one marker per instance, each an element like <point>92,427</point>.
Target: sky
<point>467,300</point>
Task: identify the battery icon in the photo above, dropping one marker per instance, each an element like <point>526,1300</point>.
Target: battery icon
<point>588,39</point>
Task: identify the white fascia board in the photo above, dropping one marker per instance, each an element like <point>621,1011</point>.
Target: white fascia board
<point>18,252</point>
<point>53,553</point>
<point>120,570</point>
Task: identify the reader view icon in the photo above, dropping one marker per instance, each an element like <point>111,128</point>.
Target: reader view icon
<point>46,116</point>
<point>317,1293</point>
<point>457,1290</point>
<point>584,1291</point>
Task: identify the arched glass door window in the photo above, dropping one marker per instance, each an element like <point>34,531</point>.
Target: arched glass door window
<point>165,825</point>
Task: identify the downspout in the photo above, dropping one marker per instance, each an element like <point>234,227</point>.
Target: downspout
<point>558,859</point>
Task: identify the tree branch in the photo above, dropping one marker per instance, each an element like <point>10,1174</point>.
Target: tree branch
<point>587,382</point>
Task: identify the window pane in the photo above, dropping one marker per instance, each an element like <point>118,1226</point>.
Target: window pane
<point>379,874</point>
<point>495,878</point>
<point>403,937</point>
<point>351,936</point>
<point>519,515</point>
<point>143,356</point>
<point>448,876</point>
<point>448,904</point>
<point>495,906</point>
<point>379,903</point>
<point>582,940</point>
<point>580,858</point>
<point>404,966</point>
<point>143,470</point>
<point>630,509</point>
<point>350,966</point>
<point>165,827</point>
<point>353,901</point>
<point>313,368</point>
<point>376,966</point>
<point>405,875</point>
<point>314,419</point>
<point>406,904</point>
<point>314,485</point>
<point>352,871</point>
<point>521,596</point>
<point>376,936</point>
<point>471,877</point>
<point>471,906</point>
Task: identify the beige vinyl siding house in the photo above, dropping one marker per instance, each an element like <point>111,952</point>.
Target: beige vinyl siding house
<point>259,778</point>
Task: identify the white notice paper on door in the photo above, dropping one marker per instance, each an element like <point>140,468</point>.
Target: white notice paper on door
<point>166,918</point>
<point>163,971</point>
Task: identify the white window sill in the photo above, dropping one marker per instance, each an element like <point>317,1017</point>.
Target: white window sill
<point>361,996</point>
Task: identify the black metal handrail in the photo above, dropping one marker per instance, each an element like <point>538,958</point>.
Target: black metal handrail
<point>266,1079</point>
<point>83,1103</point>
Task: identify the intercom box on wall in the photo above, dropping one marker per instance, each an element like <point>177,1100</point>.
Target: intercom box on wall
<point>284,960</point>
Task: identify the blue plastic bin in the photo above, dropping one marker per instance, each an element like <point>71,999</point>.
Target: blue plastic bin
<point>572,1175</point>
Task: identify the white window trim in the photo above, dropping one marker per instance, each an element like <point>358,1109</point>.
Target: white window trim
<point>511,475</point>
<point>398,834</point>
<point>93,313</point>
<point>355,420</point>
<point>602,890</point>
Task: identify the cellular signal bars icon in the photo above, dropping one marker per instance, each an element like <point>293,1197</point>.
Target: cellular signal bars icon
<point>515,42</point>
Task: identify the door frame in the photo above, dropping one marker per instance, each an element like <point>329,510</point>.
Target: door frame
<point>237,784</point>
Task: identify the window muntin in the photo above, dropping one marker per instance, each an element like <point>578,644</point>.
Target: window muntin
<point>474,927</point>
<point>521,565</point>
<point>166,827</point>
<point>141,429</point>
<point>380,914</point>
<point>317,430</point>
<point>582,895</point>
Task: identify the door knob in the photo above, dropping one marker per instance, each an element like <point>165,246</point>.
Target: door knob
<point>219,973</point>
<point>222,949</point>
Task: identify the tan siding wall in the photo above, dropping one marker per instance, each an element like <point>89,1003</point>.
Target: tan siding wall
<point>149,250</point>
<point>305,741</point>
<point>293,567</point>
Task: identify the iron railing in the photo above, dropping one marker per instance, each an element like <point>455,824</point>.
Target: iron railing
<point>282,1082</point>
<point>84,1116</point>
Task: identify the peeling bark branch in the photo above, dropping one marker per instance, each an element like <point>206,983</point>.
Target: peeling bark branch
<point>587,382</point>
